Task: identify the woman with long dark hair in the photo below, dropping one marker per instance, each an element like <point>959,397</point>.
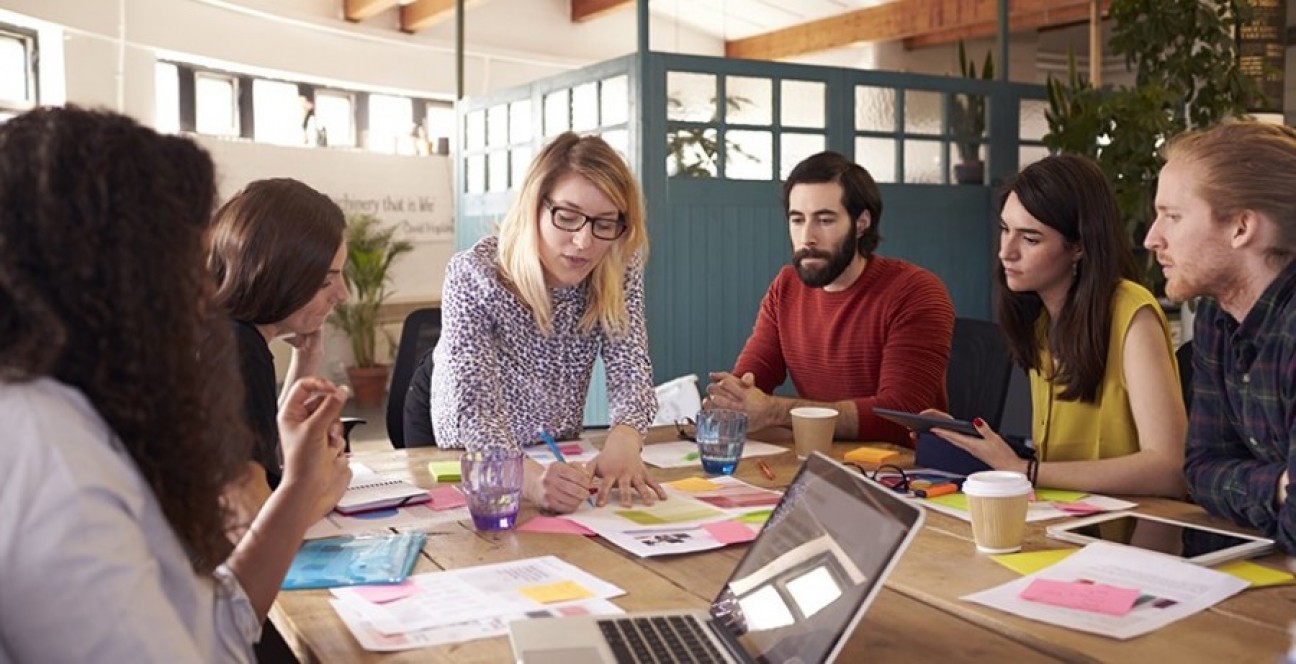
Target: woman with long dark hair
<point>121,438</point>
<point>1108,412</point>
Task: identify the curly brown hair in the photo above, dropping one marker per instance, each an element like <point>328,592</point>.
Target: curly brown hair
<point>103,287</point>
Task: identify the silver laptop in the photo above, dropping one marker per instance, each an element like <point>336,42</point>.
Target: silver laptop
<point>795,597</point>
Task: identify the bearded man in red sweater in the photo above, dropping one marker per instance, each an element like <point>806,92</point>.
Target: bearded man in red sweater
<point>855,331</point>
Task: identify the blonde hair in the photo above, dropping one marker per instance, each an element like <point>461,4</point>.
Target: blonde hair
<point>1244,165</point>
<point>519,235</point>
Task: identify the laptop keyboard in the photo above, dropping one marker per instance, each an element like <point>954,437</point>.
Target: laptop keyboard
<point>659,640</point>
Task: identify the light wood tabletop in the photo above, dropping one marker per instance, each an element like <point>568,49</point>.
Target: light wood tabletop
<point>918,614</point>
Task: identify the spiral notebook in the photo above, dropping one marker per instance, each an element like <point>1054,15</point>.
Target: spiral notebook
<point>368,491</point>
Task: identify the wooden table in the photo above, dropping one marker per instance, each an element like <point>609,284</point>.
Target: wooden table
<point>917,615</point>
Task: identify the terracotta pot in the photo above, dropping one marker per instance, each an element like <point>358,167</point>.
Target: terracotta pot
<point>970,172</point>
<point>368,384</point>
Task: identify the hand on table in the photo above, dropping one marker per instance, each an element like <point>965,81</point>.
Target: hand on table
<point>622,468</point>
<point>558,487</point>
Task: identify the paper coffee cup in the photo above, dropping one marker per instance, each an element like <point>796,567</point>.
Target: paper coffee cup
<point>997,500</point>
<point>812,430</point>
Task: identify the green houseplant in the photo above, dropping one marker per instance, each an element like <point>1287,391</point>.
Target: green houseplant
<point>371,249</point>
<point>1184,57</point>
<point>967,121</point>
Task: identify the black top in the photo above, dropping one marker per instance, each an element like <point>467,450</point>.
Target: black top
<point>262,400</point>
<point>418,405</point>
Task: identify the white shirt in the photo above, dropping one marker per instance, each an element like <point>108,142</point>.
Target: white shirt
<point>90,570</point>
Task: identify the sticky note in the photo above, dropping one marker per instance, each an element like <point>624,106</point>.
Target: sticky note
<point>1258,575</point>
<point>447,498</point>
<point>1029,562</point>
<point>1082,595</point>
<point>729,532</point>
<point>384,594</point>
<point>758,517</point>
<point>444,471</point>
<point>1080,508</point>
<point>956,500</point>
<point>556,525</point>
<point>695,484</point>
<point>570,449</point>
<point>1058,495</point>
<point>563,591</point>
<point>870,455</point>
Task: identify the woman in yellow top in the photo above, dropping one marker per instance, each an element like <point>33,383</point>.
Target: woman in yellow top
<point>1108,411</point>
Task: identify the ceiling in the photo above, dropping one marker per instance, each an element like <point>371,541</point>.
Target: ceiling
<point>776,29</point>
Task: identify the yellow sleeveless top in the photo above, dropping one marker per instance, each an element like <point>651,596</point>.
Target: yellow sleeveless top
<point>1082,431</point>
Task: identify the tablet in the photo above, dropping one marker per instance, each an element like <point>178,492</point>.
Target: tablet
<point>1194,543</point>
<point>922,423</point>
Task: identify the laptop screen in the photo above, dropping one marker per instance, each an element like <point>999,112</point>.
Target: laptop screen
<point>819,558</point>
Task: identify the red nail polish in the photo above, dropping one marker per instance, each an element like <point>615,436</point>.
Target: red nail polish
<point>978,422</point>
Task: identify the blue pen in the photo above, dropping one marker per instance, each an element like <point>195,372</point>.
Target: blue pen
<point>553,447</point>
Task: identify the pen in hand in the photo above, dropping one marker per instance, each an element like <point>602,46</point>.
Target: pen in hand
<point>558,455</point>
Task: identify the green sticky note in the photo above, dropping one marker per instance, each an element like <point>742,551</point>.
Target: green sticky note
<point>444,471</point>
<point>956,500</point>
<point>1058,495</point>
<point>758,517</point>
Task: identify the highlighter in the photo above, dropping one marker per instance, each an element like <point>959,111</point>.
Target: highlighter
<point>937,490</point>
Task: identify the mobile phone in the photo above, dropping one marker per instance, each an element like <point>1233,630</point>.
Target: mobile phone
<point>923,423</point>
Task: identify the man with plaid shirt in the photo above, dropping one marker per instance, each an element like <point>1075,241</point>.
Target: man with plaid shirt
<point>1226,231</point>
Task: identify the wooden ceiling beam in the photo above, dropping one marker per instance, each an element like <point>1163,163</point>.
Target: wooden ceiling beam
<point>588,10</point>
<point>423,14</point>
<point>1020,23</point>
<point>359,10</point>
<point>895,20</point>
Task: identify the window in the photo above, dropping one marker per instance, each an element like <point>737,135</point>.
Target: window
<point>391,124</point>
<point>333,112</point>
<point>166,90</point>
<point>278,112</point>
<point>17,72</point>
<point>440,127</point>
<point>216,104</point>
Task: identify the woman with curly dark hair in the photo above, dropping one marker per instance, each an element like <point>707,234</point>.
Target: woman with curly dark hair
<point>120,438</point>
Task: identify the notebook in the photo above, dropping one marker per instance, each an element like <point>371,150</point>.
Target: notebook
<point>354,560</point>
<point>797,594</point>
<point>368,491</point>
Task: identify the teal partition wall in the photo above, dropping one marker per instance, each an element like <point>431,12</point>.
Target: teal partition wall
<point>712,138</point>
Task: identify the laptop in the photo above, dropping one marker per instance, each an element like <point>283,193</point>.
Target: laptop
<point>795,597</point>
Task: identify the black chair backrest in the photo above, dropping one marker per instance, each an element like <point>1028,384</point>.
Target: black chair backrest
<point>1183,356</point>
<point>419,335</point>
<point>980,369</point>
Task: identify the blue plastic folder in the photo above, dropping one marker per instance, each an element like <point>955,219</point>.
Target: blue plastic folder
<point>354,560</point>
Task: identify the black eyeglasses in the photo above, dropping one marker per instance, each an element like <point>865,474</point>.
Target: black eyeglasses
<point>686,429</point>
<point>572,221</point>
<point>888,475</point>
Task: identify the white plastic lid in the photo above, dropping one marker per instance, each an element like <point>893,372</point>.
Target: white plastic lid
<point>996,483</point>
<point>814,412</point>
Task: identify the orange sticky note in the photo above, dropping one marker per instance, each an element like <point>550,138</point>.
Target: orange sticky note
<point>1082,595</point>
<point>694,485</point>
<point>563,591</point>
<point>870,455</point>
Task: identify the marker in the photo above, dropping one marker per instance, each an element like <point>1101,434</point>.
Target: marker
<point>937,490</point>
<point>765,469</point>
<point>558,455</point>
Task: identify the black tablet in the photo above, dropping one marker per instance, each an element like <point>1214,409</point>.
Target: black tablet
<point>923,423</point>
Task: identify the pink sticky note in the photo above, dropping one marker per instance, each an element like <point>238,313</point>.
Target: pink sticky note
<point>554,524</point>
<point>1079,507</point>
<point>570,449</point>
<point>384,594</point>
<point>730,532</point>
<point>447,497</point>
<point>1082,595</point>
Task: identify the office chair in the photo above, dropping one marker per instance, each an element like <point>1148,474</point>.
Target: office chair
<point>980,368</point>
<point>1183,356</point>
<point>418,337</point>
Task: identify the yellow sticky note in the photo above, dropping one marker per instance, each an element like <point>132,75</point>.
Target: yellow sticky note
<point>1258,575</point>
<point>956,500</point>
<point>563,591</point>
<point>1058,495</point>
<point>695,484</point>
<point>444,471</point>
<point>870,455</point>
<point>1029,562</point>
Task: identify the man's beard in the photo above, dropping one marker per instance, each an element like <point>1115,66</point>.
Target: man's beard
<point>838,261</point>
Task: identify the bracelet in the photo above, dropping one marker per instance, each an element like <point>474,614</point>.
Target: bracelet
<point>1032,471</point>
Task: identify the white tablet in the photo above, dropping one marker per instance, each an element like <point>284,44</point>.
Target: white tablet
<point>1194,543</point>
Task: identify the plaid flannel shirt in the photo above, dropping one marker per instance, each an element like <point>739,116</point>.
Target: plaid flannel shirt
<point>1242,428</point>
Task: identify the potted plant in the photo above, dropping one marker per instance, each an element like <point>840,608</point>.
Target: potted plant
<point>370,252</point>
<point>967,121</point>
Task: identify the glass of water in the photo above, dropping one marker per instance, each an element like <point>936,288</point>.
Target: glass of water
<point>720,437</point>
<point>492,482</point>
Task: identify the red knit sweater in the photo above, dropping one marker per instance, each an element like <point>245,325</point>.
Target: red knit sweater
<point>885,341</point>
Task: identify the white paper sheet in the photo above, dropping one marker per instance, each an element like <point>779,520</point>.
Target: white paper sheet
<point>409,517</point>
<point>542,455</point>
<point>1039,510</point>
<point>684,454</point>
<point>1171,590</point>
